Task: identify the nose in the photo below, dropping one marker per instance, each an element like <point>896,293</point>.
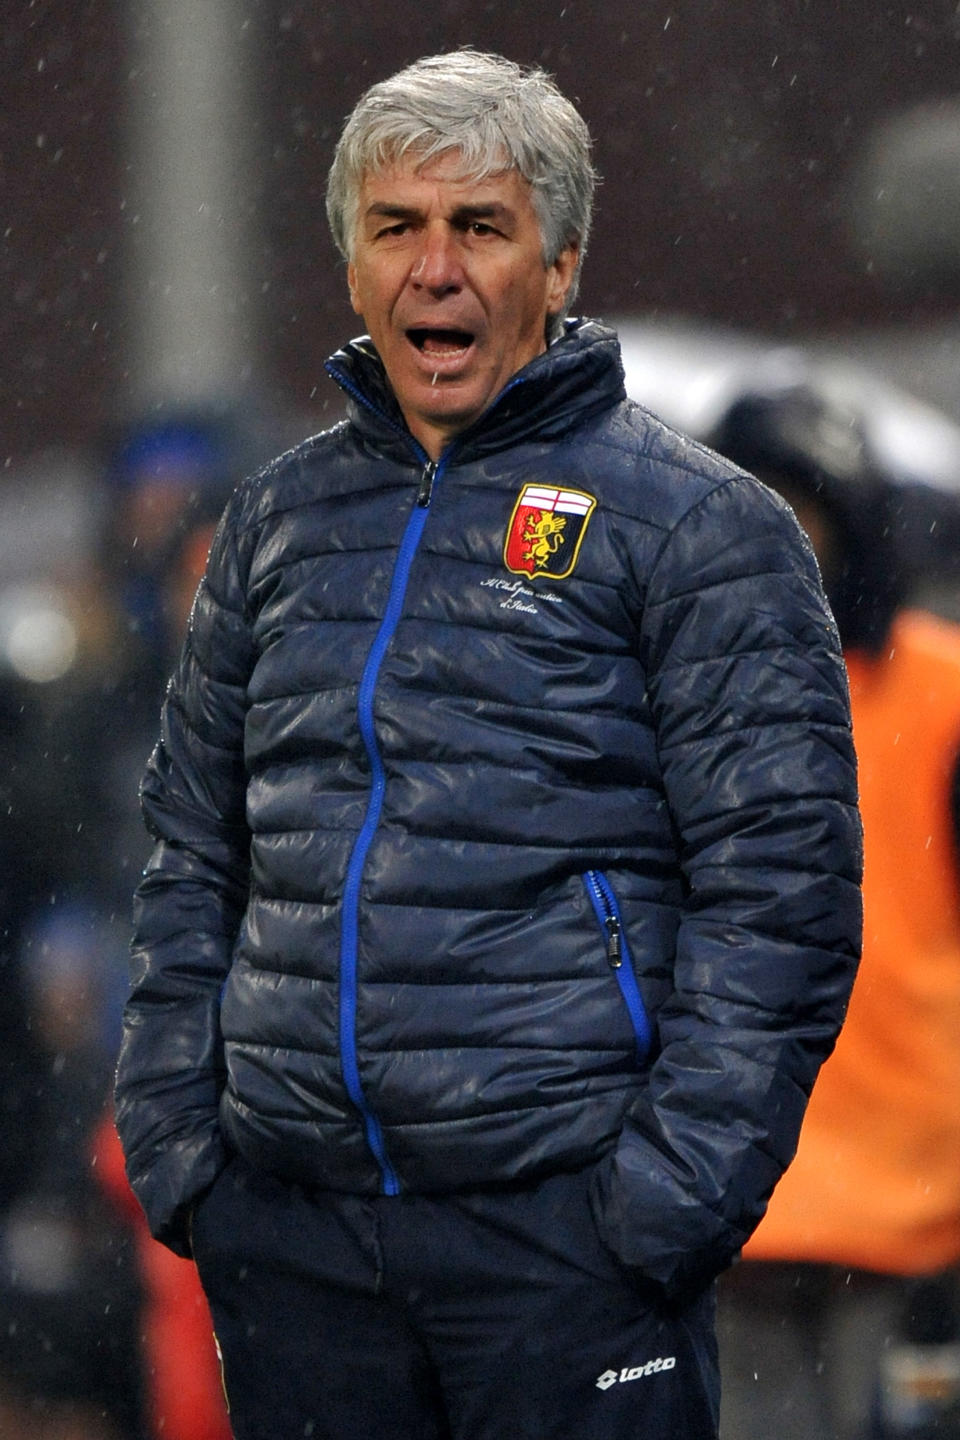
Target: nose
<point>437,267</point>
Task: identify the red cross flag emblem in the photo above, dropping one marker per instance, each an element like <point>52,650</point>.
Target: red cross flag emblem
<point>546,530</point>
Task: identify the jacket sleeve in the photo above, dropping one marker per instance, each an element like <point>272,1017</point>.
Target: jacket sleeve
<point>750,699</point>
<point>187,910</point>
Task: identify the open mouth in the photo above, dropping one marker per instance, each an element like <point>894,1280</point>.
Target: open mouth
<point>437,343</point>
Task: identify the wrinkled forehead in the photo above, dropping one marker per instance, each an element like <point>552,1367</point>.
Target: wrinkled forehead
<point>439,161</point>
<point>408,176</point>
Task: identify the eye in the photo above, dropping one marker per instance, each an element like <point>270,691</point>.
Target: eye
<point>482,229</point>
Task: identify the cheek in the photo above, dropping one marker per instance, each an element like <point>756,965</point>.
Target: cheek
<point>363,286</point>
<point>374,296</point>
<point>527,305</point>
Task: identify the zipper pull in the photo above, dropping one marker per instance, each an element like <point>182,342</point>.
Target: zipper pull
<point>426,484</point>
<point>613,941</point>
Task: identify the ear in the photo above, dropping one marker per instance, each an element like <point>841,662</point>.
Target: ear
<point>560,277</point>
<point>352,285</point>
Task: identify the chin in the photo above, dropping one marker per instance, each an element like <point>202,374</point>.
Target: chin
<point>435,404</point>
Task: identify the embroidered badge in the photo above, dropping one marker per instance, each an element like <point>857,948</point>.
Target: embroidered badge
<point>546,530</point>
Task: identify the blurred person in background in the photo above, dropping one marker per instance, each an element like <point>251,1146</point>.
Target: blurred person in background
<point>88,632</point>
<point>69,1292</point>
<point>505,897</point>
<point>167,483</point>
<point>166,478</point>
<point>859,1251</point>
<point>183,1394</point>
<point>89,606</point>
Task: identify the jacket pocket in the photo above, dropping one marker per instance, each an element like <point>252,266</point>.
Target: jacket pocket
<point>607,911</point>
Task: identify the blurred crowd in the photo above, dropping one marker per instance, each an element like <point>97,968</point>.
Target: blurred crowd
<point>104,1335</point>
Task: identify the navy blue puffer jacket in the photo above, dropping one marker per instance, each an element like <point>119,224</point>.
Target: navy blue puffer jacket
<point>506,823</point>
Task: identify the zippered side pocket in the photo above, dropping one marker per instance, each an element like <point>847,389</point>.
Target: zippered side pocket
<point>607,911</point>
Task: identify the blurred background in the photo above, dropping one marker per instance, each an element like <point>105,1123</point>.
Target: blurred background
<point>780,179</point>
<point>788,167</point>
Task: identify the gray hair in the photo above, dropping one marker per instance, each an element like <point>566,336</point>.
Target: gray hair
<point>497,115</point>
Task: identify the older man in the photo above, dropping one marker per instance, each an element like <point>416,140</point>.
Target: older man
<point>506,892</point>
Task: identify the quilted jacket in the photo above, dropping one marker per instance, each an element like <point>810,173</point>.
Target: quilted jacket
<point>506,823</point>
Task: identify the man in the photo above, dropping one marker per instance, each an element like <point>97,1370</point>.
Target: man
<point>506,892</point>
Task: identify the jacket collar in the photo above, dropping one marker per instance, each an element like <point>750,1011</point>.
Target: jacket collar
<point>578,376</point>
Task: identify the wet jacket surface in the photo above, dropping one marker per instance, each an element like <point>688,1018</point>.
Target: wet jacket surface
<point>506,824</point>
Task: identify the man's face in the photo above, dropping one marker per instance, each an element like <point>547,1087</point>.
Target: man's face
<point>448,275</point>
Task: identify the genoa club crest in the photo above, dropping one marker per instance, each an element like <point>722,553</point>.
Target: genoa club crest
<point>546,529</point>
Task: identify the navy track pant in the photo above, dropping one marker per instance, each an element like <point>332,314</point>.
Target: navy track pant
<point>491,1316</point>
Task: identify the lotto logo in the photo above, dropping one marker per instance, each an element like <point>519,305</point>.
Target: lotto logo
<point>635,1372</point>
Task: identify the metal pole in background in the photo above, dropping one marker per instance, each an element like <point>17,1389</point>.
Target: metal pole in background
<point>190,202</point>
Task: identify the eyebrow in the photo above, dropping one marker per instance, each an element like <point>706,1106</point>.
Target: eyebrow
<point>493,210</point>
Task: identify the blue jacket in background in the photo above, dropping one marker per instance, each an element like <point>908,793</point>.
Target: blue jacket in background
<point>506,824</point>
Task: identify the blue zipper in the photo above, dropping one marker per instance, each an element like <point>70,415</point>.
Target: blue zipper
<point>607,910</point>
<point>349,936</point>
